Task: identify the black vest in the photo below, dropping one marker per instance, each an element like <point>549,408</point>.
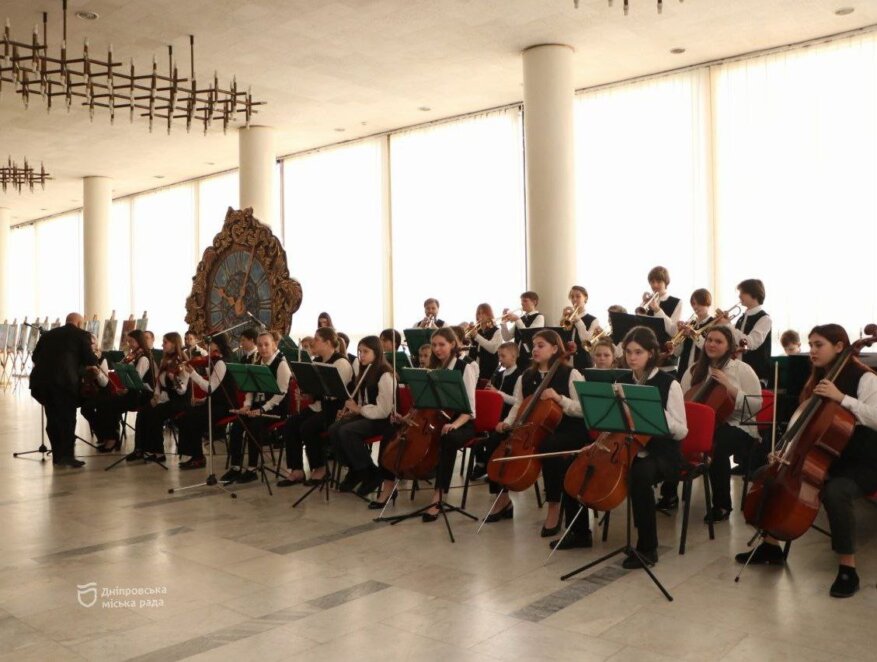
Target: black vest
<point>282,407</point>
<point>758,359</point>
<point>530,381</point>
<point>582,359</point>
<point>223,397</point>
<point>252,359</point>
<point>529,318</point>
<point>506,384</point>
<point>668,306</point>
<point>861,451</point>
<point>487,361</point>
<point>690,352</point>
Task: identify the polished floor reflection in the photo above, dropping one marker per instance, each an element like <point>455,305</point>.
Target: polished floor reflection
<point>199,575</point>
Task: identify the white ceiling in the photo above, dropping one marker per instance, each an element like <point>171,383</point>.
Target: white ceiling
<point>365,66</point>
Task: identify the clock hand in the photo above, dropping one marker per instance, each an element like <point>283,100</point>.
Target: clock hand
<point>225,295</point>
<point>247,276</point>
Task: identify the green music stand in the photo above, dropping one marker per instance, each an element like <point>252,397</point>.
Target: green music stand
<point>398,360</point>
<point>291,352</point>
<point>129,377</point>
<point>113,356</point>
<point>630,409</point>
<point>416,338</point>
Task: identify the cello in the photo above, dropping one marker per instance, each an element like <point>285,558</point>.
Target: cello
<point>413,452</point>
<point>536,421</point>
<point>784,497</point>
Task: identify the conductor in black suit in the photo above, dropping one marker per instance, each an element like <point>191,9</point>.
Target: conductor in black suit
<point>60,358</point>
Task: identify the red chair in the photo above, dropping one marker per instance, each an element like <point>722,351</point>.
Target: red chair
<point>488,411</point>
<point>696,448</point>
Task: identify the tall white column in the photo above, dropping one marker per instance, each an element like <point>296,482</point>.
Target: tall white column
<point>257,156</point>
<point>5,272</point>
<point>97,210</point>
<point>549,93</point>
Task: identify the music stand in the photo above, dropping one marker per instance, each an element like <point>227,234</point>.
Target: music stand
<point>623,322</point>
<point>633,410</point>
<point>435,389</point>
<point>130,380</point>
<point>211,480</point>
<point>607,375</point>
<point>291,352</point>
<point>254,379</point>
<point>398,360</point>
<point>321,381</point>
<point>416,338</point>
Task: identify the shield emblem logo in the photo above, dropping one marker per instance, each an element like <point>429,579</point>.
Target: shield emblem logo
<point>87,594</point>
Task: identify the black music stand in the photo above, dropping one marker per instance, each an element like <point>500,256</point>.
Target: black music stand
<point>251,378</point>
<point>322,381</point>
<point>435,389</point>
<point>607,375</point>
<point>130,379</point>
<point>623,322</point>
<point>606,408</point>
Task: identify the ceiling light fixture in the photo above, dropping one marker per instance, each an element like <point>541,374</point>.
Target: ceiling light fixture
<point>110,84</point>
<point>424,109</point>
<point>340,130</point>
<point>677,51</point>
<point>844,11</point>
<point>17,177</point>
<point>660,5</point>
<point>88,15</point>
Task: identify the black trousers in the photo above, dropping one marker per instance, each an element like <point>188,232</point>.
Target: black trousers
<point>848,480</point>
<point>728,440</point>
<point>645,472</point>
<point>60,409</point>
<point>302,433</point>
<point>193,428</point>
<point>450,444</point>
<point>107,420</point>
<point>149,428</point>
<point>347,438</point>
<point>251,435</point>
<point>554,468</point>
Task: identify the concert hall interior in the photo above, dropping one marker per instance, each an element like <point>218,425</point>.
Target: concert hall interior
<point>299,360</point>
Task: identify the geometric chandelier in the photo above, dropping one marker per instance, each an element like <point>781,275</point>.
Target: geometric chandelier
<point>110,85</point>
<point>20,176</point>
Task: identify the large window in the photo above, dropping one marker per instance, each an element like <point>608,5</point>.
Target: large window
<point>215,196</point>
<point>333,217</point>
<point>162,253</point>
<point>120,263</point>
<point>796,166</point>
<point>23,268</point>
<point>458,217</point>
<point>59,266</point>
<point>642,165</point>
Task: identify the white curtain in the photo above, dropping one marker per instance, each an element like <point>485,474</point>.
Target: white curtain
<point>23,267</point>
<point>59,276</point>
<point>642,169</point>
<point>796,172</point>
<point>162,250</point>
<point>215,195</point>
<point>333,224</point>
<point>458,217</point>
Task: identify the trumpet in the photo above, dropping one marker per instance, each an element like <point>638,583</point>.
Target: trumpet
<point>648,298</point>
<point>428,322</point>
<point>506,313</point>
<point>570,317</point>
<point>588,345</point>
<point>678,339</point>
<point>477,327</point>
<point>730,314</point>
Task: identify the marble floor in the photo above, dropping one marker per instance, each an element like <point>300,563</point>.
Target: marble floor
<point>198,575</point>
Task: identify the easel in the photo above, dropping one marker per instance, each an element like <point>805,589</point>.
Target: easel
<point>130,380</point>
<point>321,381</point>
<point>633,410</point>
<point>435,389</point>
<point>254,379</point>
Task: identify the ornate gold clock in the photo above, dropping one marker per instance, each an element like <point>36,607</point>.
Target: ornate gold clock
<point>243,271</point>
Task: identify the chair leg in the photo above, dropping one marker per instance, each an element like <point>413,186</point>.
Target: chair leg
<point>469,466</point>
<point>744,491</point>
<point>463,461</point>
<point>708,497</point>
<point>414,486</point>
<point>606,525</point>
<point>539,501</point>
<point>786,549</point>
<point>686,511</point>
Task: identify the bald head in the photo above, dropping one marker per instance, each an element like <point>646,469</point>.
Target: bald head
<point>75,319</point>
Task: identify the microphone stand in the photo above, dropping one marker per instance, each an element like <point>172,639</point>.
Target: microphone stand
<point>211,480</point>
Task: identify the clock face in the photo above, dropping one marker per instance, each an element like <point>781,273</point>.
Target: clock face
<point>239,284</point>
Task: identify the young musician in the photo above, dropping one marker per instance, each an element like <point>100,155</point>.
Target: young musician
<point>250,419</point>
<point>486,339</point>
<point>529,319</point>
<point>754,327</point>
<point>103,411</point>
<point>302,431</point>
<point>366,415</point>
<point>194,426</point>
<point>734,436</point>
<point>570,434</point>
<point>424,355</point>
<point>193,349</point>
<point>306,343</point>
<point>343,345</point>
<point>791,342</point>
<point>247,352</point>
<point>141,358</point>
<point>660,459</point>
<point>430,315</point>
<point>324,320</point>
<point>603,354</point>
<point>584,326</point>
<point>660,303</point>
<point>167,401</point>
<point>503,382</point>
<point>689,351</point>
<point>391,340</point>
<point>853,475</point>
<point>149,338</point>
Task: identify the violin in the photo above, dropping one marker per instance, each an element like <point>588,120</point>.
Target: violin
<point>784,496</point>
<point>597,476</point>
<point>413,452</point>
<point>536,420</point>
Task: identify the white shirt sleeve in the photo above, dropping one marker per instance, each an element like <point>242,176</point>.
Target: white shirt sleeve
<point>506,332</point>
<point>102,378</point>
<point>216,377</point>
<point>491,345</point>
<point>345,370</point>
<point>670,323</point>
<point>756,336</point>
<point>283,376</point>
<point>864,406</point>
<point>383,407</point>
<point>518,398</point>
<point>572,406</point>
<point>470,381</point>
<point>142,366</point>
<point>685,384</point>
<point>675,412</point>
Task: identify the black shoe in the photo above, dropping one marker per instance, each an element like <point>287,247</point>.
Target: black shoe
<point>134,455</point>
<point>506,513</point>
<point>194,463</point>
<point>479,472</point>
<point>379,505</point>
<point>310,482</point>
<point>846,584</point>
<point>230,476</point>
<point>289,482</point>
<point>764,554</point>
<point>247,477</point>
<point>427,517</point>
<point>553,531</point>
<point>572,541</point>
<point>370,483</point>
<point>667,503</point>
<point>152,457</point>
<point>109,449</point>
<point>717,514</point>
<point>739,470</point>
<point>351,480</point>
<point>71,462</point>
<point>632,562</point>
